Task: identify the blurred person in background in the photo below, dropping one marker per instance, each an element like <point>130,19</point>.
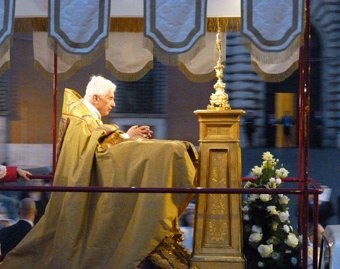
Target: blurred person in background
<point>12,173</point>
<point>249,121</point>
<point>13,234</point>
<point>187,222</point>
<point>287,123</point>
<point>4,220</point>
<point>40,198</point>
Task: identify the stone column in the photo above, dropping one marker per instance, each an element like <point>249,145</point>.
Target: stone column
<point>218,225</point>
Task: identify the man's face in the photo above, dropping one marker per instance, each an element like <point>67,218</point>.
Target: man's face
<point>104,104</point>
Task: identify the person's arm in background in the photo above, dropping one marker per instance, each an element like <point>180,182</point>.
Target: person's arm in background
<point>12,173</point>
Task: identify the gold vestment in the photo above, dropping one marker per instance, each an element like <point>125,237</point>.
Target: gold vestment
<point>106,230</point>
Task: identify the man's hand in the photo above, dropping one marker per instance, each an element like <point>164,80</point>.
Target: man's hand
<point>137,131</point>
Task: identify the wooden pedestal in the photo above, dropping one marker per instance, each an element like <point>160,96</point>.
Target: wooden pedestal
<point>218,225</point>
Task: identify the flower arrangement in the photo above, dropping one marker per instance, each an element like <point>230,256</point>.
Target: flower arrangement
<point>269,239</point>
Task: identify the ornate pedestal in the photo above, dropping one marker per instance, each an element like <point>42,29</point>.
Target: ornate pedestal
<point>218,226</point>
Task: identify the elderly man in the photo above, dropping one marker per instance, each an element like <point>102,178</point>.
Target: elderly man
<point>99,99</point>
<point>110,230</point>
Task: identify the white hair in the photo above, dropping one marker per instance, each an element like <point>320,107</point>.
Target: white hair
<point>99,85</point>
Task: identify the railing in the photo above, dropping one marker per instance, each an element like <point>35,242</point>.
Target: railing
<point>313,189</point>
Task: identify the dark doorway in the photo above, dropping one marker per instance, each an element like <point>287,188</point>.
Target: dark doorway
<point>291,85</point>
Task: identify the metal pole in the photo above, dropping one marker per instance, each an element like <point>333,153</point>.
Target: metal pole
<point>55,105</point>
<point>304,106</point>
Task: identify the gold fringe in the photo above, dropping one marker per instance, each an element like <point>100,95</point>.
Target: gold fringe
<point>47,75</point>
<point>194,77</point>
<point>5,67</point>
<point>190,54</point>
<point>25,25</point>
<point>275,77</point>
<point>169,254</point>
<point>164,57</point>
<point>274,57</point>
<point>230,24</point>
<point>84,60</point>
<point>61,76</point>
<point>172,59</point>
<point>3,50</point>
<point>129,76</point>
<point>5,46</point>
<point>126,24</point>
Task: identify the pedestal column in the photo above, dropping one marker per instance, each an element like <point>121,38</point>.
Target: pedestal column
<point>218,225</point>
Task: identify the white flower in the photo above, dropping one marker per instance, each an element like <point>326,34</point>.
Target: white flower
<point>255,237</point>
<point>260,264</point>
<point>272,210</point>
<point>265,250</point>
<point>256,171</point>
<point>267,156</point>
<point>268,206</point>
<point>283,199</point>
<point>292,240</point>
<point>245,208</point>
<point>248,184</point>
<point>276,255</point>
<point>274,182</point>
<point>265,197</point>
<point>253,197</point>
<point>281,173</point>
<point>275,224</point>
<point>268,161</point>
<point>284,216</point>
<point>256,229</point>
<point>268,165</point>
<point>286,228</point>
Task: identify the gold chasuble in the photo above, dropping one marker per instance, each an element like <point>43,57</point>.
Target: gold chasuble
<point>109,230</point>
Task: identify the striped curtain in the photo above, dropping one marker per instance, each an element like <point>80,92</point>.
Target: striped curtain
<point>6,30</point>
<point>272,30</point>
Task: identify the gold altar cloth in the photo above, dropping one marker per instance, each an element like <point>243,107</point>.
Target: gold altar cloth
<point>106,230</point>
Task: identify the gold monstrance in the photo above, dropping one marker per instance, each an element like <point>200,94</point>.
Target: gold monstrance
<point>219,99</point>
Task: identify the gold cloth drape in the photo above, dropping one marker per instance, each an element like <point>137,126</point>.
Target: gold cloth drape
<point>106,230</point>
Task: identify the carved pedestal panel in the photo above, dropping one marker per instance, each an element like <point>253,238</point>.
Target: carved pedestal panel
<point>218,225</point>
